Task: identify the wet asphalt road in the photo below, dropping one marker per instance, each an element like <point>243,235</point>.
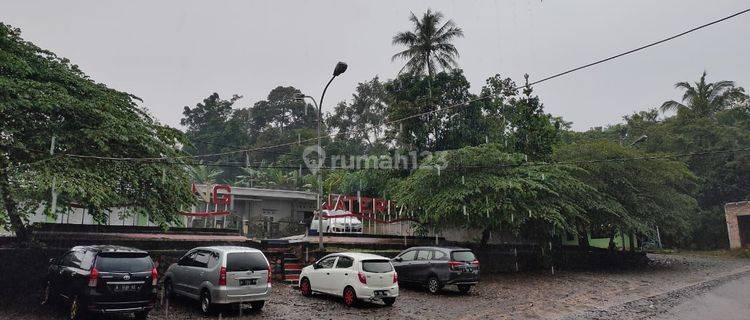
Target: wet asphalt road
<point>728,301</point>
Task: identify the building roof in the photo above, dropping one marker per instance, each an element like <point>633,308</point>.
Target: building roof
<point>267,193</point>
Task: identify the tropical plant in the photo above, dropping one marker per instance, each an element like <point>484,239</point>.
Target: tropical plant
<point>705,98</point>
<point>429,45</point>
<point>204,174</point>
<point>486,188</point>
<point>44,96</point>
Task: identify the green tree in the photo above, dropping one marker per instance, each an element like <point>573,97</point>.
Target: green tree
<point>361,121</point>
<point>487,188</point>
<point>41,96</point>
<point>705,98</point>
<point>651,192</point>
<point>429,45</point>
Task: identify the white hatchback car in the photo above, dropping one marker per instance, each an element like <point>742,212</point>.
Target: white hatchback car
<point>353,276</point>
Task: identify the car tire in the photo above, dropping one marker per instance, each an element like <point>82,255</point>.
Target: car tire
<point>464,288</point>
<point>350,297</point>
<point>434,285</point>
<point>389,301</point>
<point>205,303</point>
<point>257,305</point>
<point>143,315</point>
<point>76,310</point>
<point>305,288</point>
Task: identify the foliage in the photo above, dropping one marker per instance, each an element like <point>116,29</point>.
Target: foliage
<point>268,177</point>
<point>651,193</point>
<point>361,121</point>
<point>42,95</point>
<point>485,187</point>
<point>705,99</point>
<point>428,45</point>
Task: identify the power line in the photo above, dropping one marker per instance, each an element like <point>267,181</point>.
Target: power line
<point>256,149</point>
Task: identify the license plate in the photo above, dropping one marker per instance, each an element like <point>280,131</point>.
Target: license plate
<point>125,287</point>
<point>381,293</point>
<point>248,282</point>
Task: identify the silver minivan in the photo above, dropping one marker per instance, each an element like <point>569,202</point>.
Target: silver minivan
<point>221,275</point>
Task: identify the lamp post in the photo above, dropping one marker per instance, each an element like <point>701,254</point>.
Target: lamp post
<point>338,70</point>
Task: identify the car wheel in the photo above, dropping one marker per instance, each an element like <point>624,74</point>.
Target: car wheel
<point>350,297</point>
<point>389,301</point>
<point>257,305</point>
<point>205,302</point>
<point>143,315</point>
<point>305,287</point>
<point>76,311</point>
<point>464,288</point>
<point>433,285</point>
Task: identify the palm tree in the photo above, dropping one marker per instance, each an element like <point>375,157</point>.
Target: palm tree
<point>705,99</point>
<point>428,46</point>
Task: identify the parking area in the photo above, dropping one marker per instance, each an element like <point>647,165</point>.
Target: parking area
<point>505,296</point>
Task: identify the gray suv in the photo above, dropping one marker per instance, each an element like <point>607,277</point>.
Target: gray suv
<point>436,267</point>
<point>221,275</point>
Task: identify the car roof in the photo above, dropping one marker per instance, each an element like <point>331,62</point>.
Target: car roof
<point>440,248</point>
<point>229,249</point>
<point>107,248</point>
<point>359,256</point>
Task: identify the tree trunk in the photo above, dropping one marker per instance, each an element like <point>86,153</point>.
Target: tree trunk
<point>632,242</point>
<point>612,240</point>
<point>485,236</point>
<point>16,223</point>
<point>583,239</point>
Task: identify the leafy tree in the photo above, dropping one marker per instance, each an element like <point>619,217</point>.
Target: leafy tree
<point>651,192</point>
<point>705,98</point>
<point>361,121</point>
<point>275,178</point>
<point>204,174</point>
<point>43,95</point>
<point>484,187</point>
<point>428,45</point>
<point>425,129</point>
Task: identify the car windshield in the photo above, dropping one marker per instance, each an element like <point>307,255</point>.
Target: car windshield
<point>377,266</point>
<point>123,263</point>
<point>463,256</point>
<point>246,261</point>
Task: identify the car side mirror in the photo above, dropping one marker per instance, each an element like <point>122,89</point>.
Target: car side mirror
<point>397,259</point>
<point>316,266</point>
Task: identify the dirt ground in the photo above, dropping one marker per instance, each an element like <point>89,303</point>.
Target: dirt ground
<point>575,295</point>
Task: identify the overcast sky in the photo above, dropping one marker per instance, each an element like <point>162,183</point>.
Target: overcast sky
<point>175,53</point>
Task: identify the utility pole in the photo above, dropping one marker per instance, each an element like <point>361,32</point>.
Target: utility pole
<point>53,204</point>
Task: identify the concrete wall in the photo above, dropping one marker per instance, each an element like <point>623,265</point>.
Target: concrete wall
<point>732,211</point>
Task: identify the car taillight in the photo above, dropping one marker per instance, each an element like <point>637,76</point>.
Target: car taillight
<point>269,274</point>
<point>362,278</point>
<point>93,277</point>
<point>223,276</point>
<point>395,277</point>
<point>455,264</point>
<point>475,263</point>
<point>154,276</point>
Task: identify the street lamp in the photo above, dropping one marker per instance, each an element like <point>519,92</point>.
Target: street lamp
<point>338,70</point>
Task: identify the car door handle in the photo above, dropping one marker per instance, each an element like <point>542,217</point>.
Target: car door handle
<point>346,274</point>
<point>328,274</point>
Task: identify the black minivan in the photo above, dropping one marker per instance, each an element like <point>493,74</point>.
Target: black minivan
<point>102,279</point>
<point>436,267</point>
